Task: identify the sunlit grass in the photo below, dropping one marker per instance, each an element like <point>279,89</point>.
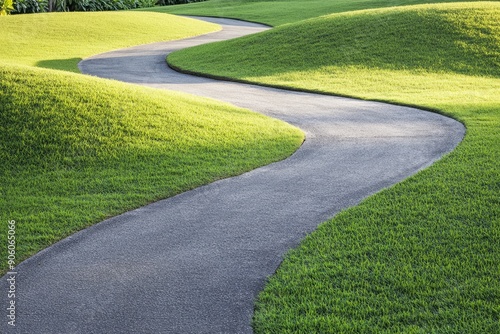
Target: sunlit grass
<point>61,40</point>
<point>277,12</point>
<point>424,255</point>
<point>452,40</point>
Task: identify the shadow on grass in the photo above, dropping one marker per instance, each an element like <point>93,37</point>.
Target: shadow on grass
<point>70,64</point>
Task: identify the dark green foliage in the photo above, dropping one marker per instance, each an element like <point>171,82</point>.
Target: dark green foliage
<point>30,6</point>
<point>40,6</point>
<point>176,2</point>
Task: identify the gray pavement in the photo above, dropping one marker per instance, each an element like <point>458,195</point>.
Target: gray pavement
<point>194,263</point>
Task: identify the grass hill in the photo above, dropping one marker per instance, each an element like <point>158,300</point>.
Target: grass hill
<point>77,149</point>
<point>278,12</point>
<point>424,255</point>
<point>61,40</point>
<point>462,39</point>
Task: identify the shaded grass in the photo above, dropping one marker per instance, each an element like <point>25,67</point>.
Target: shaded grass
<point>76,149</point>
<point>61,40</point>
<point>424,255</point>
<point>277,12</point>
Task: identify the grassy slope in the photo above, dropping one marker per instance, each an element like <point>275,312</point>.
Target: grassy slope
<point>61,40</point>
<point>423,256</point>
<point>77,149</point>
<point>277,12</point>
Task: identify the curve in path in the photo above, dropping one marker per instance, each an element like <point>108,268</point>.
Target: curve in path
<point>194,263</point>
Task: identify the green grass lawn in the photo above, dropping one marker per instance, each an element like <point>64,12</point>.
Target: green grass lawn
<point>77,149</point>
<point>61,40</point>
<point>424,255</point>
<point>277,12</point>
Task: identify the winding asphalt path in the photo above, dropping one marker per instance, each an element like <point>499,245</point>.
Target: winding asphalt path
<point>194,263</point>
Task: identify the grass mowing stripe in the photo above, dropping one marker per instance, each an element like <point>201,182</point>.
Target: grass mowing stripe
<point>424,255</point>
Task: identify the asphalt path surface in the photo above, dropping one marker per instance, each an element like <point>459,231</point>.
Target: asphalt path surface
<point>194,263</point>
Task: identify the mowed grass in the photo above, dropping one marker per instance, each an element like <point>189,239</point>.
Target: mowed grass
<point>76,149</point>
<point>61,40</point>
<point>424,255</point>
<point>277,12</point>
